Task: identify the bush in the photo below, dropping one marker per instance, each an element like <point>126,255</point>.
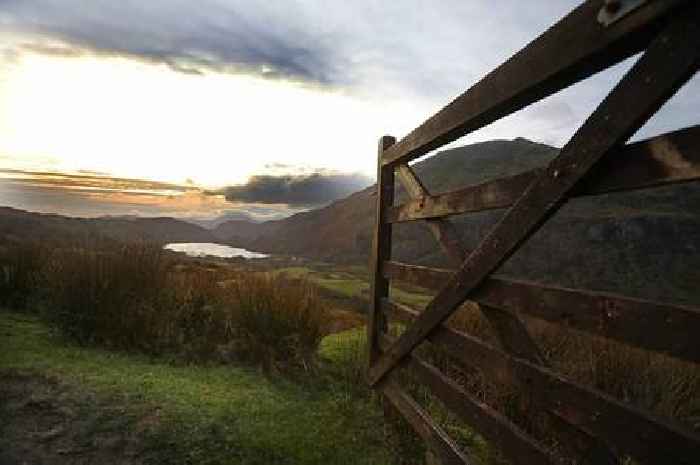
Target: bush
<point>111,295</point>
<point>135,297</point>
<point>275,321</point>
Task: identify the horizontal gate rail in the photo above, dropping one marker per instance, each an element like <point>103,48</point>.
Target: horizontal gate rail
<point>661,327</point>
<point>597,160</point>
<point>668,159</point>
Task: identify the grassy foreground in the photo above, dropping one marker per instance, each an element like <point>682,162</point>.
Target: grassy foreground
<point>205,414</point>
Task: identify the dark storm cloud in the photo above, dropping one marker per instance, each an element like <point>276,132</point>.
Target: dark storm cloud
<point>187,36</point>
<point>309,190</point>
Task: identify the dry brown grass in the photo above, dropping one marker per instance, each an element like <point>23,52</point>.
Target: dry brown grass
<point>134,296</point>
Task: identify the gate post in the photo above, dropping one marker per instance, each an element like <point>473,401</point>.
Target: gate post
<point>381,251</point>
<point>379,285</point>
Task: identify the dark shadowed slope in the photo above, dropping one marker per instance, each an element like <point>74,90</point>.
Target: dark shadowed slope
<point>18,224</point>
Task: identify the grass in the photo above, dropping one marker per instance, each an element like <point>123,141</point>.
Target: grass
<point>349,284</point>
<point>209,414</point>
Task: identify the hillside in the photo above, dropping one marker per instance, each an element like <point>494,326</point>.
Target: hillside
<point>341,231</point>
<point>241,230</point>
<point>18,224</point>
<point>641,238</point>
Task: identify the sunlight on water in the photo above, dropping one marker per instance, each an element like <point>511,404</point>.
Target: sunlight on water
<point>203,249</point>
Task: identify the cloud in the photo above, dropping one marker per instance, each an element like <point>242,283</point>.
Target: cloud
<point>187,36</point>
<point>308,190</point>
<point>92,181</point>
<point>93,196</point>
<point>420,53</point>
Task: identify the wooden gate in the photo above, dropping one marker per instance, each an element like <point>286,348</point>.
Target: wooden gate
<point>597,159</point>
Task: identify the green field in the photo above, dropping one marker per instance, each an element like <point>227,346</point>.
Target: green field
<point>205,414</point>
<point>353,284</point>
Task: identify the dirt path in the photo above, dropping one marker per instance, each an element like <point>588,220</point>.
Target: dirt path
<point>43,421</point>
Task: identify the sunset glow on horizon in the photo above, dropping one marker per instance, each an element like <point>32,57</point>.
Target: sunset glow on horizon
<point>131,118</point>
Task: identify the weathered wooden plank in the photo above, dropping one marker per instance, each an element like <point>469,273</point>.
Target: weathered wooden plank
<point>437,440</point>
<point>578,444</point>
<point>444,232</point>
<point>571,50</point>
<point>501,432</point>
<point>660,327</point>
<point>489,195</point>
<point>670,61</point>
<point>666,159</point>
<point>511,332</point>
<point>381,251</point>
<point>645,437</point>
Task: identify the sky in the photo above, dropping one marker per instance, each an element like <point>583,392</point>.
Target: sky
<point>198,109</point>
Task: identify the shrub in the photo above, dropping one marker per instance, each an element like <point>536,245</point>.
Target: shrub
<point>275,321</point>
<point>111,295</point>
<point>20,272</point>
<point>135,297</point>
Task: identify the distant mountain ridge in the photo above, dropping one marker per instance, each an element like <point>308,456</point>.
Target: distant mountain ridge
<point>232,216</point>
<point>19,224</point>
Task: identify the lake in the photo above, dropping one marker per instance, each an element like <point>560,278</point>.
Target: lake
<point>208,249</point>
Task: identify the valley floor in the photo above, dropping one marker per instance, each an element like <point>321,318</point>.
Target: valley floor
<point>60,403</point>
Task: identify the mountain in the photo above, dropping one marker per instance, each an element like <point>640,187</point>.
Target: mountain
<point>242,231</point>
<point>644,241</point>
<point>18,224</point>
<point>342,230</point>
<point>232,216</point>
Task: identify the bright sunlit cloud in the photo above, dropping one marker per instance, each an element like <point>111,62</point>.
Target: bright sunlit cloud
<point>136,119</point>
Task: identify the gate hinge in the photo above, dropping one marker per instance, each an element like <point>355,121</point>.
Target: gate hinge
<point>614,10</point>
